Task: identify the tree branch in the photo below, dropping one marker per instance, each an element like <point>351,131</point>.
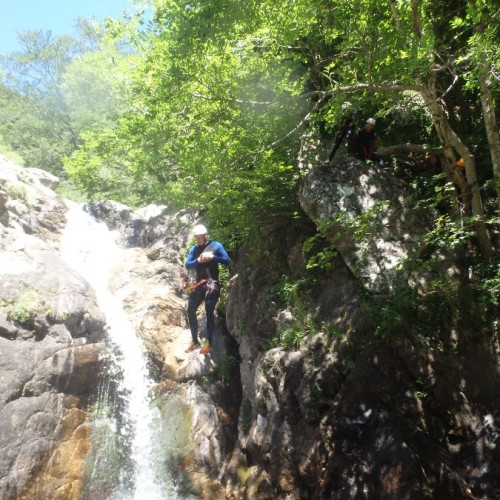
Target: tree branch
<point>295,129</point>
<point>404,149</point>
<point>389,87</point>
<point>415,19</point>
<point>238,101</point>
<point>395,14</point>
<point>288,134</point>
<point>323,94</point>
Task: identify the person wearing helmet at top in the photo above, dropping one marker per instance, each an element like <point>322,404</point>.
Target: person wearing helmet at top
<point>204,259</point>
<point>364,143</point>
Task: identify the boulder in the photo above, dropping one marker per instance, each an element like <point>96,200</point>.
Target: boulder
<point>368,215</point>
<point>32,204</point>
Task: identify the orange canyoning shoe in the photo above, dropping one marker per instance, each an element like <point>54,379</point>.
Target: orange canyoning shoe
<point>192,346</point>
<point>206,348</point>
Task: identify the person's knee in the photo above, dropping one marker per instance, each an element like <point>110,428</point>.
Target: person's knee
<point>210,308</point>
<point>211,299</point>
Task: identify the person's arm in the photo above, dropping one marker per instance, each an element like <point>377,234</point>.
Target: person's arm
<point>220,255</point>
<point>191,260</point>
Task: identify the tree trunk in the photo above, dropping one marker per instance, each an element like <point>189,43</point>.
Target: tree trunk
<point>403,149</point>
<point>450,142</point>
<point>490,123</point>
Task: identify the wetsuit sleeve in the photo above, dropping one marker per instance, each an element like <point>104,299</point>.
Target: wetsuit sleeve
<point>191,260</point>
<point>220,255</point>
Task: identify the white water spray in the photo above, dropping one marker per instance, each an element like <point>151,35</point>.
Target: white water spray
<point>91,249</point>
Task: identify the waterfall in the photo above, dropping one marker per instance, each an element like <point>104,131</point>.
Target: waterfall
<point>92,249</point>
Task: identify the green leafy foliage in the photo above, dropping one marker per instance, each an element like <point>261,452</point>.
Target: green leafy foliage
<point>448,233</point>
<point>319,252</point>
<point>289,290</point>
<point>487,284</point>
<point>203,106</point>
<point>54,89</point>
<point>290,338</point>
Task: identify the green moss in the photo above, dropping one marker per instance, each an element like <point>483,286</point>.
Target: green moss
<point>105,458</point>
<point>225,368</point>
<point>290,338</point>
<point>27,305</point>
<point>243,473</point>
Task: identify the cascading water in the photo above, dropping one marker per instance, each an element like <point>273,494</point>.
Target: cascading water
<point>91,249</point>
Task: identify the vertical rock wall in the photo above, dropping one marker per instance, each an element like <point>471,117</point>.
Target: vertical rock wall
<point>348,413</point>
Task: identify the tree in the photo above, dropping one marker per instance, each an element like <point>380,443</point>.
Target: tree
<point>459,33</point>
<point>224,88</point>
<point>37,68</point>
<point>94,86</point>
<point>199,120</point>
<point>40,130</point>
<point>58,88</point>
<point>485,54</point>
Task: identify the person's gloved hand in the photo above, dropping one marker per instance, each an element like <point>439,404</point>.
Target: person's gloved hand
<point>205,257</point>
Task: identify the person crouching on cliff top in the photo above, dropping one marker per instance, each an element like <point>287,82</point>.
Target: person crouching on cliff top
<point>364,143</point>
<point>204,259</point>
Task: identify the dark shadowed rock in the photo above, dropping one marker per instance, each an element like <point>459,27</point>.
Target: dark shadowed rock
<point>346,414</point>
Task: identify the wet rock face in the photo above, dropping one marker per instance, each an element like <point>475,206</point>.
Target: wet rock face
<point>155,227</point>
<point>49,351</point>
